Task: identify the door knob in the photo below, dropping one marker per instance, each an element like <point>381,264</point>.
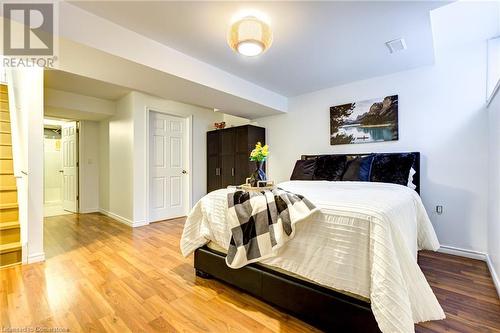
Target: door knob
<point>61,171</point>
<point>184,171</point>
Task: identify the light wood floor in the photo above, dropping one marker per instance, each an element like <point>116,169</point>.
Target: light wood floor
<point>103,276</point>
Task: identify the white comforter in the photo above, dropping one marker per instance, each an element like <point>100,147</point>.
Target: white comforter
<point>364,240</point>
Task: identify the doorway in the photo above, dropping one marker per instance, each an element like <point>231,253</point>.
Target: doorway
<point>60,167</point>
<point>169,158</point>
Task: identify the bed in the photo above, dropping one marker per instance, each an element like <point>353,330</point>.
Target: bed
<point>350,267</point>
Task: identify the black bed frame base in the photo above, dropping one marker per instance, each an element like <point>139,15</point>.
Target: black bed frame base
<point>321,307</point>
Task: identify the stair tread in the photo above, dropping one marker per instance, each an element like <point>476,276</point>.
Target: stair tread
<point>10,247</point>
<point>6,173</point>
<point>9,225</point>
<point>8,188</point>
<point>9,205</point>
<point>5,158</point>
<point>6,144</point>
<point>6,132</point>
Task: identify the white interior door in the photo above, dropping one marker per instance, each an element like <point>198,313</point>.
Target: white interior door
<point>168,179</point>
<point>69,140</point>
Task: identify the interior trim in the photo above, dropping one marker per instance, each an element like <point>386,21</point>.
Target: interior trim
<point>123,220</point>
<point>493,94</point>
<point>474,255</point>
<point>36,257</point>
<point>463,252</point>
<point>189,155</point>
<point>494,275</point>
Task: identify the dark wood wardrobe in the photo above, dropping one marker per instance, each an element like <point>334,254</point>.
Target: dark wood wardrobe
<point>228,153</point>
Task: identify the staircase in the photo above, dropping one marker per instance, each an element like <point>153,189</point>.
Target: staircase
<point>10,245</point>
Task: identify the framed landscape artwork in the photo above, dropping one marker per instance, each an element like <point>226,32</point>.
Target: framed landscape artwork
<point>373,120</point>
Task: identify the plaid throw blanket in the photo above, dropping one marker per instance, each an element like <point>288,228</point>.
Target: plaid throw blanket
<point>262,222</point>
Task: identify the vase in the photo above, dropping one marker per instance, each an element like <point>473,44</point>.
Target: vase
<point>258,174</point>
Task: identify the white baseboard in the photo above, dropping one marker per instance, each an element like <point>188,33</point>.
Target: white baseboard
<point>117,217</point>
<point>89,210</point>
<point>53,203</point>
<point>474,255</point>
<point>36,257</point>
<point>463,252</point>
<point>123,220</point>
<point>494,274</point>
<point>140,223</point>
<point>24,253</point>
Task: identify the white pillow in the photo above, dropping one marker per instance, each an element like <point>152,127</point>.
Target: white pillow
<point>410,179</point>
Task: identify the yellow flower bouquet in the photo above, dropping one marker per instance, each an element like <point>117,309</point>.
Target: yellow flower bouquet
<point>259,154</point>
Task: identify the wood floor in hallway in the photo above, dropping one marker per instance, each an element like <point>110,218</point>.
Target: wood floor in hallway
<point>102,276</point>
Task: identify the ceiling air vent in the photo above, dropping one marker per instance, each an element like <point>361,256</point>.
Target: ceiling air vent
<point>396,45</point>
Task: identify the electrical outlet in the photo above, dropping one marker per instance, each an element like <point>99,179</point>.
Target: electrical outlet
<point>439,209</point>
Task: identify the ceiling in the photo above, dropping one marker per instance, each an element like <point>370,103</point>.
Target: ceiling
<point>316,44</point>
<point>110,77</point>
<point>82,85</point>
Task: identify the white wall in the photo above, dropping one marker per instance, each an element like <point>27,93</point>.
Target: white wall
<point>494,188</point>
<point>26,94</point>
<point>52,186</point>
<point>232,121</point>
<point>494,183</point>
<point>116,169</point>
<point>68,105</point>
<point>493,64</point>
<point>89,166</point>
<point>122,156</point>
<point>104,166</point>
<point>441,114</point>
<point>203,120</point>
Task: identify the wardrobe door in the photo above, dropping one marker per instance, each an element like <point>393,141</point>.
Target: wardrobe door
<point>213,163</point>
<point>242,155</point>
<point>227,153</point>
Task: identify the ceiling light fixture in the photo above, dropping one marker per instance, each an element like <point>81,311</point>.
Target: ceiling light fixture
<point>250,36</point>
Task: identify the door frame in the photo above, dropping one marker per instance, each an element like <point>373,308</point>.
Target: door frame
<point>79,136</point>
<point>188,196</point>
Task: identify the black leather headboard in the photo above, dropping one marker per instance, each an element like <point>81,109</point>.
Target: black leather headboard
<point>416,163</point>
